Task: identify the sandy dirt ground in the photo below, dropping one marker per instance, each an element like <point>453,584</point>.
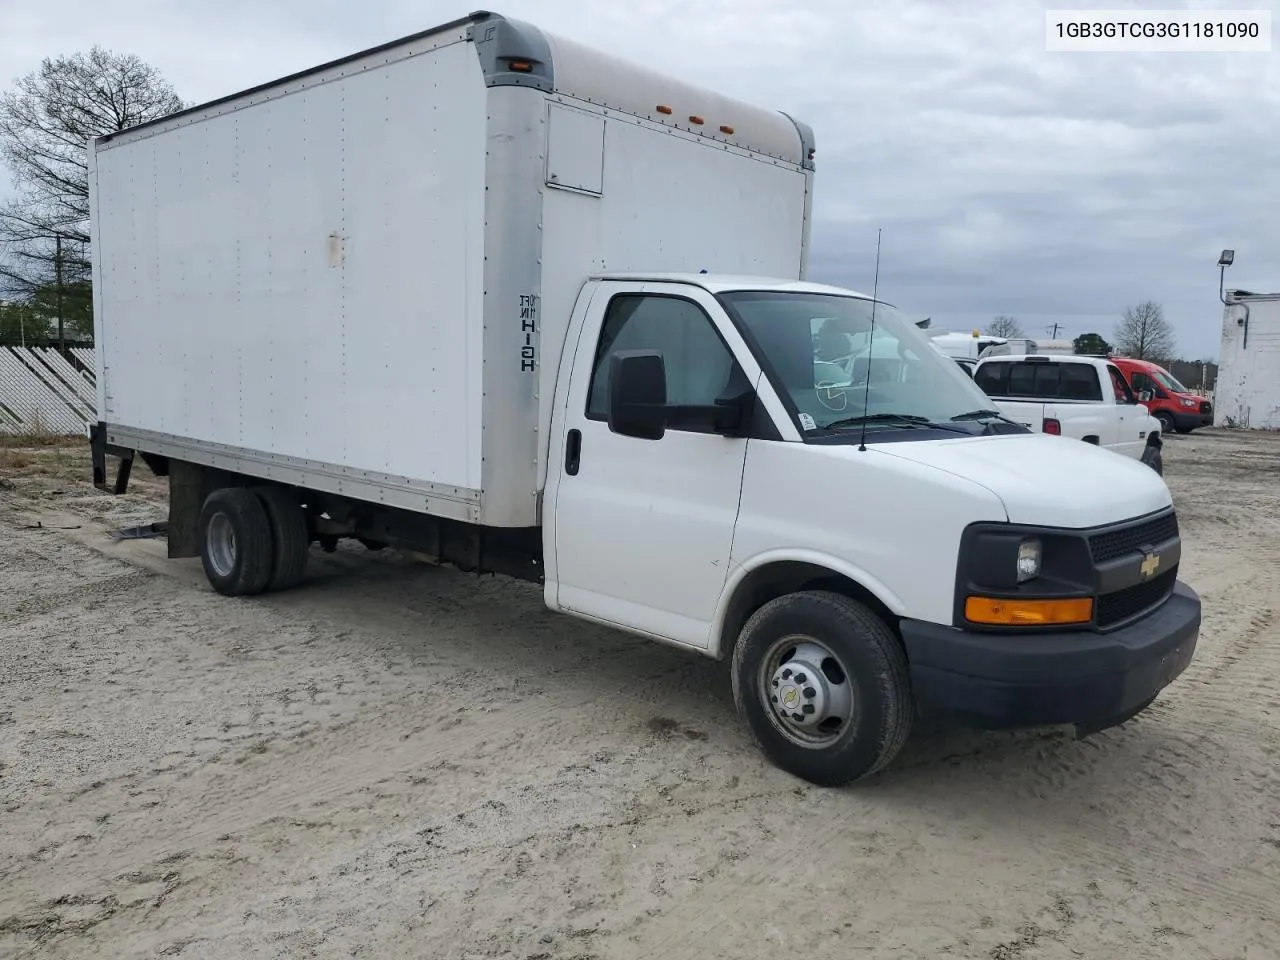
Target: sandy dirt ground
<point>399,760</point>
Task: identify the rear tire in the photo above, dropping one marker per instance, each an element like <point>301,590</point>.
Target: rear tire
<point>235,542</point>
<point>290,537</point>
<point>856,716</point>
<point>1153,458</point>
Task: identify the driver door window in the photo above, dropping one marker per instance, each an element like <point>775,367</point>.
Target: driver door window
<point>697,361</point>
<point>1121,388</point>
<point>1142,382</point>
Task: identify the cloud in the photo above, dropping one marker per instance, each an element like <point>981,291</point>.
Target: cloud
<point>1058,187</point>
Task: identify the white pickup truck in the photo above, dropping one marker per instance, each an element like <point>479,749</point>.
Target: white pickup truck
<point>1085,398</point>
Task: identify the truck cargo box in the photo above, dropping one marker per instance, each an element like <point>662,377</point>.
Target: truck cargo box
<point>348,279</point>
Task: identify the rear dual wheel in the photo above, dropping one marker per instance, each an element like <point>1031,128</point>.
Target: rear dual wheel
<point>253,540</point>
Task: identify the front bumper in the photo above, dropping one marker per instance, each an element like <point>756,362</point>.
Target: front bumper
<point>1191,420</point>
<point>1001,681</point>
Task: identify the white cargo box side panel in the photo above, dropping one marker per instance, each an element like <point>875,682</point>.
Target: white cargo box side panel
<point>669,202</point>
<point>303,276</point>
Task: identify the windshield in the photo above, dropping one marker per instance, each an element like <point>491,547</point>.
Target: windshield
<point>1169,382</point>
<point>819,352</point>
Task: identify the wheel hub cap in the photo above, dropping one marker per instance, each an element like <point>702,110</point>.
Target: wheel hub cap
<point>801,694</point>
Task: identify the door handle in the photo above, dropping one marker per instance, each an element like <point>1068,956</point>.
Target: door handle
<point>572,452</point>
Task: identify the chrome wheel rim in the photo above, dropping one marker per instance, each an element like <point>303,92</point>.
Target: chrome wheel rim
<point>220,540</point>
<point>806,691</point>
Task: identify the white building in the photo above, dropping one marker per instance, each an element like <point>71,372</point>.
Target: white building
<point>1247,393</point>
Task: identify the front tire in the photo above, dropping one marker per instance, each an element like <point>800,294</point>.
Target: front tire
<point>1167,425</point>
<point>823,685</point>
<point>235,545</point>
<point>1153,458</point>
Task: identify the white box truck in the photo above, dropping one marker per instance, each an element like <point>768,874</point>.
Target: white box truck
<point>449,295</point>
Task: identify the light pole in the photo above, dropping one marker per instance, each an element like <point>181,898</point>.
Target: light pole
<point>1225,260</point>
<point>57,269</point>
<point>59,286</point>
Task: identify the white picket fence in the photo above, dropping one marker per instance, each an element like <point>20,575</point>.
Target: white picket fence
<point>42,393</point>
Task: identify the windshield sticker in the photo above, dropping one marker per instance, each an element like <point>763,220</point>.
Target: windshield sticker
<point>807,422</point>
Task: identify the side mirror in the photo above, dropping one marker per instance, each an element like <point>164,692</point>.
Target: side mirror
<point>1144,396</point>
<point>638,394</point>
<point>638,404</point>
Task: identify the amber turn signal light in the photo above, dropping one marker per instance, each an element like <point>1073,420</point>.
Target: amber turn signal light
<point>1018,612</point>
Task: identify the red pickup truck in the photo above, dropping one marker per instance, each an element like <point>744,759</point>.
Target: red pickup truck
<point>1175,406</point>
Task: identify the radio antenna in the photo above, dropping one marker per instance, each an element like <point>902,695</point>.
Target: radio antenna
<point>871,345</point>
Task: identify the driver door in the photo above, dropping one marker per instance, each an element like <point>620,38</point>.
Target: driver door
<point>644,528</point>
<point>1130,425</point>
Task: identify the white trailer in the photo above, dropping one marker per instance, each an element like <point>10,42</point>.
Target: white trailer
<point>448,295</point>
<point>964,346</point>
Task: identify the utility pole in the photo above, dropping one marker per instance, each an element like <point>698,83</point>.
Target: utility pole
<point>57,266</point>
<point>1054,334</point>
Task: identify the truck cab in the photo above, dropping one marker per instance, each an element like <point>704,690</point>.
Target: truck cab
<point>1174,405</point>
<point>862,535</point>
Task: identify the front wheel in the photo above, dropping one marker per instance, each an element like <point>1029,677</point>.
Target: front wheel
<point>1153,458</point>
<point>823,685</point>
<point>1166,422</point>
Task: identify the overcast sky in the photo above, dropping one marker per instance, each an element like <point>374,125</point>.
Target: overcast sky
<point>1057,187</point>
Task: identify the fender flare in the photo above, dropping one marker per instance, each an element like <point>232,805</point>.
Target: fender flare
<point>716,645</point>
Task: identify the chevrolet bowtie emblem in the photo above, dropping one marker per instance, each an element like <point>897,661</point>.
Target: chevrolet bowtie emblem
<point>1150,564</point>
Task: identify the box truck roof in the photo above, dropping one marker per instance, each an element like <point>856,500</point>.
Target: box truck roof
<point>723,283</point>
<point>519,54</point>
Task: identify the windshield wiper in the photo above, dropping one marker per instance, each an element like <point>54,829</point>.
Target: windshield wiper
<point>909,420</point>
<point>985,415</point>
<point>988,418</point>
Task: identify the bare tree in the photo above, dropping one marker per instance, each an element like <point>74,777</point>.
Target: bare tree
<point>1005,326</point>
<point>1144,333</point>
<point>46,123</point>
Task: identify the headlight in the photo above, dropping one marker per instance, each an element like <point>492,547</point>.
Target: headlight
<point>1028,560</point>
<point>1188,403</point>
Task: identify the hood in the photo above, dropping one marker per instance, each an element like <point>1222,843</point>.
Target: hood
<point>1044,479</point>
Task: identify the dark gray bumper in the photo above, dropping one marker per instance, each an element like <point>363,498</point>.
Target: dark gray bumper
<point>1090,679</point>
